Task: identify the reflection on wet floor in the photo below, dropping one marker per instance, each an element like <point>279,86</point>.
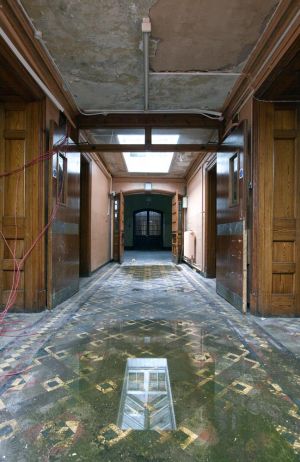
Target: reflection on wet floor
<point>146,402</point>
<point>142,347</point>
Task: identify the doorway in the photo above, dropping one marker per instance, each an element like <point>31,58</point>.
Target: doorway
<point>148,230</point>
<point>211,230</point>
<point>85,218</point>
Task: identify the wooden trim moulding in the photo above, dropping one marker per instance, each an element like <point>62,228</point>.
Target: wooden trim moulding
<point>14,22</point>
<point>279,35</point>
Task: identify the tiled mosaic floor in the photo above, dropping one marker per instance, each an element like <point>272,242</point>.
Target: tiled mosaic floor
<point>140,257</point>
<point>235,392</point>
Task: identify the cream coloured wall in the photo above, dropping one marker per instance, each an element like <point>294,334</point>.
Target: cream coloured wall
<point>196,212</point>
<point>100,218</point>
<point>159,185</point>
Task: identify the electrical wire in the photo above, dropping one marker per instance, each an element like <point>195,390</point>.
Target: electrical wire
<point>18,264</point>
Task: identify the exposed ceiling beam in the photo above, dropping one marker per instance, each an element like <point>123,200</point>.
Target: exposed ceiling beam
<point>86,147</point>
<point>143,120</point>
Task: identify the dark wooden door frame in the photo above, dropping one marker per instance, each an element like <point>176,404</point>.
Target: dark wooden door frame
<point>211,219</point>
<point>85,215</point>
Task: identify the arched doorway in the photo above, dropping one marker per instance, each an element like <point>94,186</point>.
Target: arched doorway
<point>148,229</point>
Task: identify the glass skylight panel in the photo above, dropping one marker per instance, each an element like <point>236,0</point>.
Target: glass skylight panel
<point>183,135</point>
<point>118,136</point>
<point>148,162</point>
<point>132,138</point>
<point>166,138</point>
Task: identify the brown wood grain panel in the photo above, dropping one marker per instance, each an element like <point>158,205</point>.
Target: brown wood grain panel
<point>8,278</point>
<point>19,303</point>
<point>15,118</point>
<point>9,265</point>
<point>285,134</point>
<point>2,158</point>
<point>278,212</point>
<point>14,134</point>
<point>177,223</point>
<point>284,179</point>
<point>285,119</point>
<point>283,284</point>
<point>284,268</point>
<point>21,139</point>
<point>211,221</point>
<point>284,252</point>
<point>262,208</point>
<point>14,199</point>
<point>282,305</point>
<point>284,229</point>
<point>231,282</point>
<point>17,246</point>
<point>121,227</point>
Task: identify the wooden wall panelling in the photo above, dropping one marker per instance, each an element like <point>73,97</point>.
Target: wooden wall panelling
<point>35,266</point>
<point>116,205</point>
<point>177,231</point>
<point>230,272</point>
<point>285,273</point>
<point>21,141</point>
<point>276,232</point>
<point>13,156</point>
<point>63,239</point>
<point>118,227</point>
<point>210,219</point>
<point>262,208</point>
<point>297,213</point>
<point>85,215</point>
<point>2,162</point>
<point>121,227</point>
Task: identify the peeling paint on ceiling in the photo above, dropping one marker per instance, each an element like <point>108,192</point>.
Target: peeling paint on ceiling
<point>97,46</point>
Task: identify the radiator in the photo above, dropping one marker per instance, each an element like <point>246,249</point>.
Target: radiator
<point>189,245</point>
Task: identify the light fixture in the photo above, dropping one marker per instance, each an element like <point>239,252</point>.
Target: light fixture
<point>148,186</point>
<point>185,202</point>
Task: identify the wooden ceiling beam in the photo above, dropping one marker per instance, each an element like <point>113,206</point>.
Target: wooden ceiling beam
<point>87,147</point>
<point>144,120</point>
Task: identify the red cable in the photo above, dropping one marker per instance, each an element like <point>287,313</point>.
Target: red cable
<point>19,265</point>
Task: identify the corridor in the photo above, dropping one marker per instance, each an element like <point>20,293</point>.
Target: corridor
<point>229,390</point>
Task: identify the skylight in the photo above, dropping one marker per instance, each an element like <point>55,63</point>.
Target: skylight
<point>131,139</point>
<point>140,138</point>
<point>148,162</point>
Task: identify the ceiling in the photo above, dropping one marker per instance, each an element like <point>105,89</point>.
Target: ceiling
<point>198,49</point>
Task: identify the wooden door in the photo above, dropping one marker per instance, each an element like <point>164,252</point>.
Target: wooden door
<point>211,226</point>
<point>85,216</point>
<point>231,255</point>
<point>177,225</point>
<point>276,232</point>
<point>118,246</point>
<point>63,236</point>
<point>148,229</point>
<point>22,204</point>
